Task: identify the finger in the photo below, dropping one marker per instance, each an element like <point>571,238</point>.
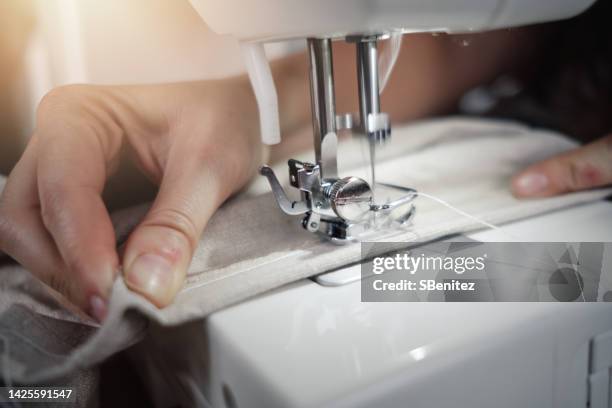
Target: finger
<point>21,183</point>
<point>22,233</point>
<point>22,226</point>
<point>72,168</point>
<point>159,251</point>
<point>587,167</point>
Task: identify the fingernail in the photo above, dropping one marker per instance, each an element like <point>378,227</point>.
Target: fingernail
<point>151,274</point>
<point>99,308</point>
<point>531,183</point>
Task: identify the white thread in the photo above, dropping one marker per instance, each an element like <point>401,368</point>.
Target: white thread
<point>388,58</point>
<point>463,213</point>
<point>449,206</point>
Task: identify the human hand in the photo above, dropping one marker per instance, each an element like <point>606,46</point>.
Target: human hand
<point>199,141</point>
<point>583,168</point>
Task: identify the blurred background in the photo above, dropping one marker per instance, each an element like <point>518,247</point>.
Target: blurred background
<point>47,43</point>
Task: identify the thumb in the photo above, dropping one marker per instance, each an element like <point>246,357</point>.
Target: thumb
<point>587,167</point>
<point>159,251</point>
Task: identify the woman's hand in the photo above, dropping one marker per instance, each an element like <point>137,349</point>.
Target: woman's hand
<point>199,141</point>
<point>587,167</point>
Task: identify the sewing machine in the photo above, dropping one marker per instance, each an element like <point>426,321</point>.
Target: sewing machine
<point>343,207</point>
<point>314,342</point>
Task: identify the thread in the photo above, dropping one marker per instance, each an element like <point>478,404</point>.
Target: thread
<point>449,206</point>
<point>388,58</point>
<point>465,214</point>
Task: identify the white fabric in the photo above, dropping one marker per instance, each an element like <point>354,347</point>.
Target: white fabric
<point>250,247</point>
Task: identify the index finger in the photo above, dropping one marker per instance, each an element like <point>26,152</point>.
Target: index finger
<point>72,168</point>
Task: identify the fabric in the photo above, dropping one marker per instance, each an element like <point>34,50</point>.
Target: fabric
<point>466,162</point>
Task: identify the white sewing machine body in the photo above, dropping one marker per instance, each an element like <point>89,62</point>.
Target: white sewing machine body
<point>310,345</point>
<point>275,20</point>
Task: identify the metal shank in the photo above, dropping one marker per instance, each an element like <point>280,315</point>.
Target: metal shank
<point>323,105</point>
<point>373,123</point>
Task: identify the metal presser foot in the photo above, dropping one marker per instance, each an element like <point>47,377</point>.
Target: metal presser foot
<point>342,208</point>
<point>339,209</point>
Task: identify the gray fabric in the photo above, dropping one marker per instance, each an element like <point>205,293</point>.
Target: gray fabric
<point>27,337</point>
<point>466,162</point>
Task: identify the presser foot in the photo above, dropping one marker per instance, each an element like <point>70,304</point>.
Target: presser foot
<point>340,209</point>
